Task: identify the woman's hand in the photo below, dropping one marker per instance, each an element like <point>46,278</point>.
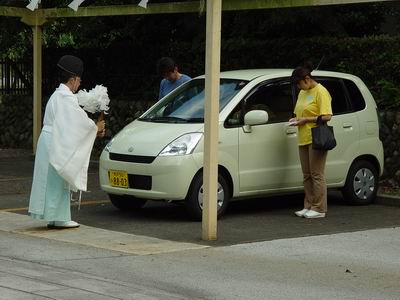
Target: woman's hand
<point>298,121</point>
<point>302,121</point>
<point>293,122</point>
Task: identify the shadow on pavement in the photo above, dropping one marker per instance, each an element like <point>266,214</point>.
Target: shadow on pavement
<point>245,221</point>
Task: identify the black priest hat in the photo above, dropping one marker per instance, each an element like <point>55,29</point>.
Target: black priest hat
<point>71,64</point>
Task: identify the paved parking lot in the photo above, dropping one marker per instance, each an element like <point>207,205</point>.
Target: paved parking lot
<point>245,221</point>
<point>157,252</point>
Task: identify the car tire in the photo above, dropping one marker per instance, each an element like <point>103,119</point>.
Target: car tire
<point>124,202</point>
<point>194,199</point>
<point>361,183</point>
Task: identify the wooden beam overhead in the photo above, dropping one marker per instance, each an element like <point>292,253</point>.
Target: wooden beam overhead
<point>123,10</point>
<point>167,8</point>
<point>231,5</point>
<point>9,11</point>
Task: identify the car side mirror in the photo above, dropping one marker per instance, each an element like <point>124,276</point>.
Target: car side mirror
<point>254,117</point>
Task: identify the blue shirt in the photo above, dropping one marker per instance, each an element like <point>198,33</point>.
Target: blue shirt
<point>167,86</point>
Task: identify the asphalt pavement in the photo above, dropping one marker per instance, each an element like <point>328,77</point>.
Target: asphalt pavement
<point>263,251</point>
<point>52,265</point>
<point>246,221</point>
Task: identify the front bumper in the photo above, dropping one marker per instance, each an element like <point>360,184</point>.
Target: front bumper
<point>170,176</point>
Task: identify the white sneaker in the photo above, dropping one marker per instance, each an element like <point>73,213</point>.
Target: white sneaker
<point>63,225</point>
<point>312,214</point>
<point>301,213</point>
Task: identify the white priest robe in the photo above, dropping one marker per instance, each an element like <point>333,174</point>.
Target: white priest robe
<point>62,156</point>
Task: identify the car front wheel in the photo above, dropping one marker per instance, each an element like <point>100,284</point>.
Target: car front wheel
<point>124,202</point>
<point>361,183</point>
<point>195,197</point>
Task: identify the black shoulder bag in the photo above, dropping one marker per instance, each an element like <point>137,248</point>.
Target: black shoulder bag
<point>322,136</point>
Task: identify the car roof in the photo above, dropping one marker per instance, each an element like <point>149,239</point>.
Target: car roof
<point>251,74</point>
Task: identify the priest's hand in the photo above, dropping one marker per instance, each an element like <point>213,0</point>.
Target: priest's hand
<point>101,128</point>
<point>101,134</point>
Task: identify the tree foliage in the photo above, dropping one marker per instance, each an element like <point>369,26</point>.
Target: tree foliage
<point>122,51</point>
<point>348,20</point>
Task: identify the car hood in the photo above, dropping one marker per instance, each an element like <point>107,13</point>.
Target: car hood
<point>149,139</point>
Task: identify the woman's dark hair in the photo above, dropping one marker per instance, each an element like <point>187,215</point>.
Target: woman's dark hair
<point>302,72</point>
<point>64,76</point>
<point>165,65</point>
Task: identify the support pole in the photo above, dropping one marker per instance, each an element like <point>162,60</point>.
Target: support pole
<point>37,84</point>
<point>211,111</point>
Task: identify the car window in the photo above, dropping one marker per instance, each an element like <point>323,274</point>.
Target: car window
<point>335,87</point>
<point>356,98</point>
<point>186,104</point>
<point>274,98</point>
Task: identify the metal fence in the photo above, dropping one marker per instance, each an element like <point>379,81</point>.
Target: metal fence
<point>15,78</point>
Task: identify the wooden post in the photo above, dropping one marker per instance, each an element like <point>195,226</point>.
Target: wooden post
<point>37,84</point>
<point>211,111</point>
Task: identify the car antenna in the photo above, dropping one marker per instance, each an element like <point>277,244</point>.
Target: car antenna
<point>320,62</point>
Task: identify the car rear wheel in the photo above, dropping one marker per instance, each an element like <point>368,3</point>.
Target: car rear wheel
<point>194,199</point>
<point>124,202</point>
<point>361,183</point>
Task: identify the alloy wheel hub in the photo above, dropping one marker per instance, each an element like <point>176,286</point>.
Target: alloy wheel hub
<point>220,196</point>
<point>364,183</point>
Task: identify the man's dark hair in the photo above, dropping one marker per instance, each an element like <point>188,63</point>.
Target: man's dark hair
<point>165,65</point>
<point>64,76</point>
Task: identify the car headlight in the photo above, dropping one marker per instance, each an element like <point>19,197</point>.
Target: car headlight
<point>107,148</point>
<point>183,145</point>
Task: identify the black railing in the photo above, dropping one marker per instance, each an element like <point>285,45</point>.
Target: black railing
<point>15,78</point>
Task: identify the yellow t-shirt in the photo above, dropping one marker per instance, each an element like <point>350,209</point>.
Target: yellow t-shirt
<point>311,103</point>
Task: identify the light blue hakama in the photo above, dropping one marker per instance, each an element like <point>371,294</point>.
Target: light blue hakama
<point>50,194</point>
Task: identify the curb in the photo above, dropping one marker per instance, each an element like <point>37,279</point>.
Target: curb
<point>388,200</point>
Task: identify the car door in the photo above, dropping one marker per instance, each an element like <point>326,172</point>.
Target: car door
<point>268,155</point>
<point>346,129</point>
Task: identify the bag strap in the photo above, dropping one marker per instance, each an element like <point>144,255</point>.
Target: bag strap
<point>319,120</point>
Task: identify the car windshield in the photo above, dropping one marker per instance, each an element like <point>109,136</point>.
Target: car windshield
<point>186,103</point>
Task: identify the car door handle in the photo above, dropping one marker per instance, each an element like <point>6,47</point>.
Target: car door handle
<point>347,125</point>
<point>291,130</point>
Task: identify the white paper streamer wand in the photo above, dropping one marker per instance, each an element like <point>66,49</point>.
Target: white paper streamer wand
<point>34,4</point>
<point>79,200</point>
<point>143,3</point>
<point>75,4</point>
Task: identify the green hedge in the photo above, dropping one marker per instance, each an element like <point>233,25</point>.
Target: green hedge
<point>130,71</point>
<point>375,59</point>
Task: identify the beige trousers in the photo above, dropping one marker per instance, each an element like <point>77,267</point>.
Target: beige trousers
<point>313,167</point>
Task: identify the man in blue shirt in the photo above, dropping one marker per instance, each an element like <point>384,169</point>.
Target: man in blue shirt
<point>172,78</point>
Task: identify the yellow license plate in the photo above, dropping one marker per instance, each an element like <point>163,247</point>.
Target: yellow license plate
<point>119,179</point>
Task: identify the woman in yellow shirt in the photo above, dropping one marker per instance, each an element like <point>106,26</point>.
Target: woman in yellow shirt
<point>314,100</point>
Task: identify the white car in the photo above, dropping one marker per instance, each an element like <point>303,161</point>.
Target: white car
<point>159,156</point>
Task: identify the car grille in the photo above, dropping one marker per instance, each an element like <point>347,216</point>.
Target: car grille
<point>132,158</point>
